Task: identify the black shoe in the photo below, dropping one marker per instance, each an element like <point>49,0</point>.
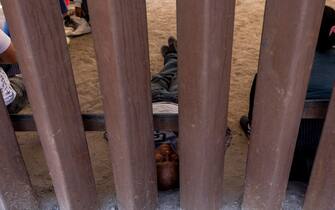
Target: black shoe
<point>68,22</point>
<point>164,50</point>
<point>245,125</point>
<point>172,42</point>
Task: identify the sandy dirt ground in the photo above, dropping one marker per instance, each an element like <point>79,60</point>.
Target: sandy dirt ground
<point>161,24</point>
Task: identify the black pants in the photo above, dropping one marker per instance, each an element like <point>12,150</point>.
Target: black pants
<point>307,142</point>
<point>11,69</point>
<point>84,7</point>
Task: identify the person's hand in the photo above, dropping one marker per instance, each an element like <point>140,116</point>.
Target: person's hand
<point>78,12</point>
<point>8,56</point>
<point>332,31</point>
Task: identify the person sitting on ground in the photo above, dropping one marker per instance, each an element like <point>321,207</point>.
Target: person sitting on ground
<point>81,9</point>
<point>78,24</point>
<point>12,89</point>
<point>11,69</point>
<point>320,87</point>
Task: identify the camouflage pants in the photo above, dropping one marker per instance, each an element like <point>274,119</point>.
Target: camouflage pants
<point>164,85</point>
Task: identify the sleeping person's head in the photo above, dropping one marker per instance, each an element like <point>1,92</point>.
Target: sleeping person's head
<point>327,31</point>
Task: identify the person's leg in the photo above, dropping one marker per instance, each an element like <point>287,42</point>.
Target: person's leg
<point>252,98</point>
<point>161,82</point>
<point>81,19</point>
<point>21,98</point>
<point>81,9</point>
<point>307,143</point>
<point>170,61</point>
<point>63,7</point>
<point>245,121</point>
<point>169,52</point>
<point>173,89</point>
<point>11,69</point>
<point>69,24</point>
<point>172,67</point>
<point>84,8</point>
<point>170,56</point>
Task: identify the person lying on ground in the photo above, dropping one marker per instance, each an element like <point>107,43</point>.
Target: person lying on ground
<point>164,91</point>
<point>164,85</point>
<point>320,87</point>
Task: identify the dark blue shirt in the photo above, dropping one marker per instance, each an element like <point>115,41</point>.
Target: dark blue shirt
<point>6,29</point>
<point>323,76</point>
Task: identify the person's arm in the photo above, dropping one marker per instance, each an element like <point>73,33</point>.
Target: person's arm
<point>7,50</point>
<point>77,3</point>
<point>63,7</point>
<point>8,56</point>
<point>78,10</point>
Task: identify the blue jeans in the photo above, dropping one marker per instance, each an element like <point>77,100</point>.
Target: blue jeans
<point>84,7</point>
<point>6,29</point>
<point>63,6</point>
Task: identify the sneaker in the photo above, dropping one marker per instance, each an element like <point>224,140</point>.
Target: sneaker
<point>68,30</point>
<point>245,125</point>
<point>69,25</point>
<point>82,28</point>
<point>69,22</point>
<point>68,40</point>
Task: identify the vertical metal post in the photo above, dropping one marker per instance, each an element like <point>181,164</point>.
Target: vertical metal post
<point>289,38</point>
<point>38,34</point>
<point>121,43</point>
<point>15,187</point>
<point>205,37</point>
<point>321,189</point>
